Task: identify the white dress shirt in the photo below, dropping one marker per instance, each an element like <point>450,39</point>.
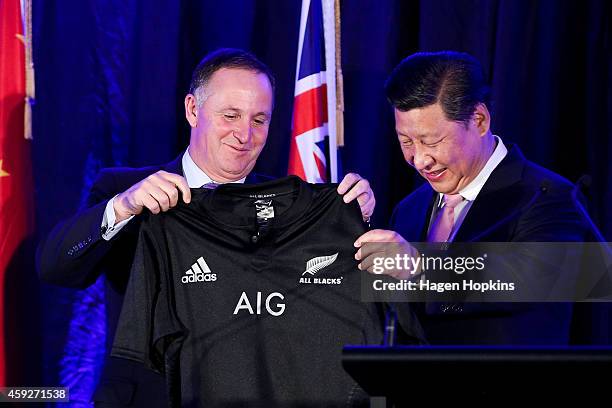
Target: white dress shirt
<point>471,191</point>
<point>195,177</point>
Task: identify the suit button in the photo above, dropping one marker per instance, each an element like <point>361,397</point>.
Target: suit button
<point>451,308</point>
<point>457,308</point>
<point>254,239</point>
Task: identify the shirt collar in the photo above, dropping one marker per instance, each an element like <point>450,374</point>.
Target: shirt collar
<point>195,176</point>
<point>471,191</point>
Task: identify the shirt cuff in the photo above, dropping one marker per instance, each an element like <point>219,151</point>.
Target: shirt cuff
<point>109,228</point>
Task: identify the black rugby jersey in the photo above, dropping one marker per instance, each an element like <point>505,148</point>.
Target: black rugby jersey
<point>245,297</point>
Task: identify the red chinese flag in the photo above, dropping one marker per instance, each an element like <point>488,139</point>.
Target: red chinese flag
<point>16,222</point>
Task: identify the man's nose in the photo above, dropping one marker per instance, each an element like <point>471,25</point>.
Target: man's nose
<point>243,132</point>
<point>421,160</point>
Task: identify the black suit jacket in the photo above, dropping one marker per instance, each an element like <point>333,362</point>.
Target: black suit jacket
<point>520,202</point>
<point>74,255</point>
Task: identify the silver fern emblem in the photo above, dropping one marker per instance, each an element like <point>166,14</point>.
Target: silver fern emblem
<point>316,264</point>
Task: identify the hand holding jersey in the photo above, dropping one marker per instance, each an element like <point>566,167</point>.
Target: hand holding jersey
<point>384,244</point>
<point>353,186</point>
<point>158,193</point>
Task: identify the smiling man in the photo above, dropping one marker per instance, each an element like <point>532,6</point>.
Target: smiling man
<point>448,154</point>
<point>234,112</point>
<point>478,189</point>
<point>229,107</point>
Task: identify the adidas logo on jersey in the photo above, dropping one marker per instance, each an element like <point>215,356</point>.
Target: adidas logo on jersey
<point>199,272</point>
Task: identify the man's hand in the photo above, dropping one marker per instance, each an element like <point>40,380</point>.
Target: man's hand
<point>353,186</point>
<point>380,243</point>
<point>158,192</point>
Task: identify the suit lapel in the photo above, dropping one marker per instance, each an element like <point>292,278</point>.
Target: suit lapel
<point>487,212</point>
<point>254,178</point>
<point>251,178</point>
<point>414,227</point>
<point>175,166</point>
<point>424,211</point>
<point>498,199</point>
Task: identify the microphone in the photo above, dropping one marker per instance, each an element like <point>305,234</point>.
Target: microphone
<point>390,326</point>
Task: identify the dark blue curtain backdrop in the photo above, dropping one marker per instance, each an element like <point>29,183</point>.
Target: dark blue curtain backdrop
<point>111,76</point>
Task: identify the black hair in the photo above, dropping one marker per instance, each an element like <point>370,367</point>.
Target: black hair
<point>453,79</point>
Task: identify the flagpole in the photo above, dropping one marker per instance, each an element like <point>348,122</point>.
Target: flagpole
<point>339,79</point>
<point>29,68</point>
<point>330,38</point>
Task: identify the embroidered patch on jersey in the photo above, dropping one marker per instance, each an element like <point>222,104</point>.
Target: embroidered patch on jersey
<point>314,265</point>
<point>199,272</point>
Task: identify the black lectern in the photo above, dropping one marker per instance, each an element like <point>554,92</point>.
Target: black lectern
<point>408,376</point>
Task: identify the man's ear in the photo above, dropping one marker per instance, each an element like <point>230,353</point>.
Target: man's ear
<point>482,119</point>
<point>191,110</point>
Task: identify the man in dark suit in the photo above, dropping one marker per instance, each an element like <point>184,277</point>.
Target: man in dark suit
<point>478,190</point>
<point>229,107</point>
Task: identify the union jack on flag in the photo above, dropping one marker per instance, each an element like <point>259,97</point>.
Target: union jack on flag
<point>313,151</point>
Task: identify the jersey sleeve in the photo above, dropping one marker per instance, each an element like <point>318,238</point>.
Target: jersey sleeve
<point>147,326</point>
